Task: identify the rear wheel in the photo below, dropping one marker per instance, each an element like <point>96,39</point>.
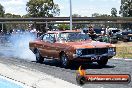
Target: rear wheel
<point>103,61</point>
<point>39,58</point>
<point>64,61</point>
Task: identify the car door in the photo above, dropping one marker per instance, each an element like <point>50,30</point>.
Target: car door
<point>39,44</point>
<point>44,46</point>
<point>47,46</point>
<point>53,50</point>
<point>55,47</point>
<point>50,47</point>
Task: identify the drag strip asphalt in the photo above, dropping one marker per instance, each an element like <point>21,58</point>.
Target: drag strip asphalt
<point>53,68</point>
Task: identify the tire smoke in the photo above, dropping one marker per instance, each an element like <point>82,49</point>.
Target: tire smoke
<point>18,46</point>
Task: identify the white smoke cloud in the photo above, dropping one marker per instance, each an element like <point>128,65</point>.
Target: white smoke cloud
<point>18,47</point>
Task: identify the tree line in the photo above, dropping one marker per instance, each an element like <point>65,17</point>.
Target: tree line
<point>47,8</point>
<point>34,8</point>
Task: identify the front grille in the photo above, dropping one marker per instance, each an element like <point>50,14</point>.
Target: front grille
<point>96,51</point>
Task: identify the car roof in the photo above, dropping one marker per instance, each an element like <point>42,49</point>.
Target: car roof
<point>56,32</point>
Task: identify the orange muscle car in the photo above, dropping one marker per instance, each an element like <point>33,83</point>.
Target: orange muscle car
<point>68,46</point>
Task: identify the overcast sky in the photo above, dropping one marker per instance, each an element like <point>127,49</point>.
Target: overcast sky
<point>81,7</point>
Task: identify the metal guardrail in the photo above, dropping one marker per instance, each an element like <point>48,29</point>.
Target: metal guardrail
<point>81,22</point>
<point>65,20</point>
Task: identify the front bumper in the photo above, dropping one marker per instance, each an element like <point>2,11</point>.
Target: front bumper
<point>94,56</point>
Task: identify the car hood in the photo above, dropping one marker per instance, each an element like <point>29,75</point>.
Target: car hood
<point>89,44</point>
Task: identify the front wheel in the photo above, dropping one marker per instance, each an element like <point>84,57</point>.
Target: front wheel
<point>39,58</point>
<point>64,61</point>
<point>102,62</point>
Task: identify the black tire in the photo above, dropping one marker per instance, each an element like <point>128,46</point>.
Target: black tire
<point>64,60</point>
<point>39,58</point>
<point>90,62</point>
<point>103,62</point>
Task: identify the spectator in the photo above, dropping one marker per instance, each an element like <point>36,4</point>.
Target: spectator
<point>92,33</point>
<point>91,30</point>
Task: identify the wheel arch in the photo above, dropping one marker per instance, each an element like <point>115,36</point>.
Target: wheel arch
<point>62,52</point>
<point>35,50</point>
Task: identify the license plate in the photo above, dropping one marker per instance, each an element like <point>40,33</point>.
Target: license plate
<point>95,58</point>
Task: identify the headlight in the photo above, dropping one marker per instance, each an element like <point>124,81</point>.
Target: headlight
<point>111,50</point>
<point>79,52</point>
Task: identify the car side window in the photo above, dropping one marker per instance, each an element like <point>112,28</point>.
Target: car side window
<point>51,38</point>
<point>41,37</point>
<point>45,37</point>
<point>52,35</point>
<point>48,38</point>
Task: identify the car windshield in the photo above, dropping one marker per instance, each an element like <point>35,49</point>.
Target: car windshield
<point>73,36</point>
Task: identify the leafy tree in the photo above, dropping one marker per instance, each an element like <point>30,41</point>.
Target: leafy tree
<point>126,8</point>
<point>126,11</point>
<point>42,8</point>
<point>26,16</point>
<point>2,15</point>
<point>104,15</point>
<point>100,15</point>
<point>95,15</point>
<point>113,12</point>
<point>76,15</point>
<point>55,11</point>
<point>1,11</point>
<point>9,15</point>
<point>63,26</point>
<point>16,16</point>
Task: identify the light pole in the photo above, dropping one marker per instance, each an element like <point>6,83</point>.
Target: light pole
<point>46,21</point>
<point>70,15</point>
<point>2,27</point>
